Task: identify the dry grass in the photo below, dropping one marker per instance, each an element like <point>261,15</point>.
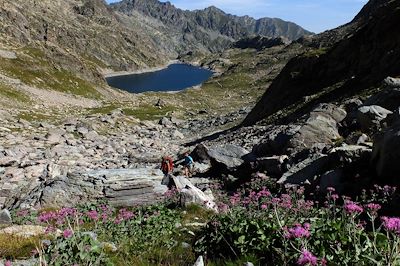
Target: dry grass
<point>17,247</point>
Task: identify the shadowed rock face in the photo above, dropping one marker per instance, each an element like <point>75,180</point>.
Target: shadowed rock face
<point>361,60</point>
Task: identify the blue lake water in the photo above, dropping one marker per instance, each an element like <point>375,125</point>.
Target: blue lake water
<point>175,77</point>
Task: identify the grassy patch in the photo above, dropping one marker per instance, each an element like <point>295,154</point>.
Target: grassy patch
<point>149,112</point>
<point>105,109</point>
<point>32,68</point>
<point>10,93</point>
<point>15,247</point>
<point>34,117</point>
<point>316,52</point>
<point>196,213</point>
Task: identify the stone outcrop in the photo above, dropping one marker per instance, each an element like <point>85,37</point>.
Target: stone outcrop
<point>222,158</point>
<point>318,129</point>
<point>370,117</point>
<point>386,153</point>
<point>5,217</point>
<point>120,187</point>
<point>190,194</point>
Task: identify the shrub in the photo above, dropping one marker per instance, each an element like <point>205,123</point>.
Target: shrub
<point>288,229</point>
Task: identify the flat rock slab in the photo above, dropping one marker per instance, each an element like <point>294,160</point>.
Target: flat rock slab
<point>30,262</point>
<point>24,230</point>
<point>124,187</point>
<point>7,54</point>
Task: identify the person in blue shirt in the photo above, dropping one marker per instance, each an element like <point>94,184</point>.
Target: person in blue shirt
<point>188,165</point>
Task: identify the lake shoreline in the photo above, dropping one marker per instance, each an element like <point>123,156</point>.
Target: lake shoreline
<point>141,71</point>
<point>176,77</point>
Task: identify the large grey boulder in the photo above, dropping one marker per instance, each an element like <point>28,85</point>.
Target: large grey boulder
<point>317,129</point>
<point>225,157</point>
<point>190,194</point>
<point>370,117</point>
<point>5,217</point>
<point>229,155</point>
<point>307,170</point>
<point>316,165</point>
<point>275,140</point>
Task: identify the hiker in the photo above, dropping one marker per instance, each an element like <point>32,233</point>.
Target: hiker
<point>188,165</point>
<point>167,166</point>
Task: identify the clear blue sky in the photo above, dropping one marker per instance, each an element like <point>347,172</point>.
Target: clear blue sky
<point>314,15</point>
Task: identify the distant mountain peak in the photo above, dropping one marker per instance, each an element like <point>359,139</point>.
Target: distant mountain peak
<point>214,9</point>
<point>211,28</point>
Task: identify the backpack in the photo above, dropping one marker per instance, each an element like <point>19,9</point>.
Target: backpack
<point>167,161</point>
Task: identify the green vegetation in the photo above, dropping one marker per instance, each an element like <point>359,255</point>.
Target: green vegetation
<point>104,109</point>
<point>149,112</point>
<point>35,116</point>
<point>261,222</point>
<point>316,52</point>
<point>32,68</point>
<point>12,246</point>
<point>8,92</point>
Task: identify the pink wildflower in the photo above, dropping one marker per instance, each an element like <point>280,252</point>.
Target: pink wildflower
<point>298,231</point>
<point>50,229</point>
<point>391,224</point>
<point>224,208</point>
<point>373,208</point>
<point>264,206</point>
<point>23,213</point>
<point>235,199</point>
<point>93,215</point>
<point>286,201</point>
<point>331,189</point>
<point>334,197</point>
<point>353,208</point>
<point>67,233</point>
<point>7,263</point>
<point>307,258</point>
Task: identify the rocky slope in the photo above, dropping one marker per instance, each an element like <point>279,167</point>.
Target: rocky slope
<point>77,35</point>
<point>328,118</point>
<point>210,29</point>
<point>359,61</point>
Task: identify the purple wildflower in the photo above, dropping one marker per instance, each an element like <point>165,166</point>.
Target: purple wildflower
<point>93,215</point>
<point>334,197</point>
<point>353,208</point>
<point>67,233</point>
<point>235,199</point>
<point>298,231</point>
<point>392,224</point>
<point>307,258</point>
<point>373,208</point>
<point>331,189</point>
<point>7,263</point>
<point>23,213</point>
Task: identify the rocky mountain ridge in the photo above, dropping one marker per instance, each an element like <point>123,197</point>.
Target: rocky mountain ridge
<point>211,28</point>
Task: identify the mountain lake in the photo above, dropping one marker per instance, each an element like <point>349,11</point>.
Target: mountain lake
<point>175,77</point>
